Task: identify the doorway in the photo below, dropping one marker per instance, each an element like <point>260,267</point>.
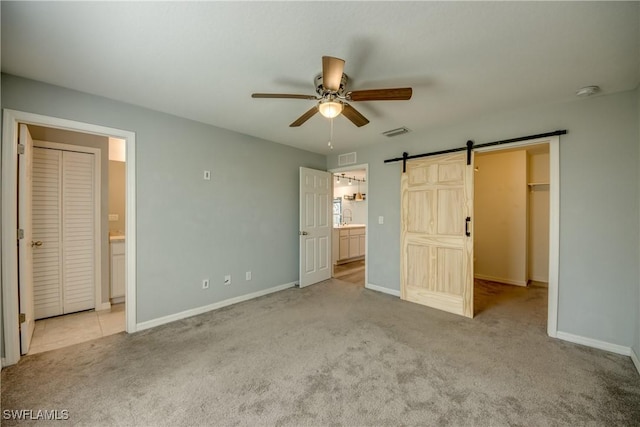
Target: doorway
<point>427,177</point>
<point>511,231</point>
<point>350,221</point>
<point>549,166</point>
<point>10,192</point>
<point>74,176</point>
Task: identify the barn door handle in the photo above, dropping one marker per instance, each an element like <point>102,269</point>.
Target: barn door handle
<point>466,226</point>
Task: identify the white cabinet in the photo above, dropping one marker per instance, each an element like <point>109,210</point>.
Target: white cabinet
<point>354,246</point>
<point>117,269</point>
<point>352,243</point>
<point>344,245</point>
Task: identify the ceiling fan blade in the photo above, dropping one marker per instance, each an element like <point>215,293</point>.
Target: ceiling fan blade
<point>306,116</point>
<point>354,115</point>
<point>397,94</point>
<point>332,69</point>
<point>283,95</point>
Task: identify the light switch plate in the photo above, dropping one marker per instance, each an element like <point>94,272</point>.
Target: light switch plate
<point>207,175</point>
<point>380,220</point>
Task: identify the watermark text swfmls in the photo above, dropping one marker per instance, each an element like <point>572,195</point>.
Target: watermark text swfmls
<point>35,414</point>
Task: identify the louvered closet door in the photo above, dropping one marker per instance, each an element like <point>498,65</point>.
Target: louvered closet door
<point>46,213</point>
<point>78,269</point>
<point>63,220</point>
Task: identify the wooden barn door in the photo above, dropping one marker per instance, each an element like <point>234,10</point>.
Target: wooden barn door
<point>436,237</point>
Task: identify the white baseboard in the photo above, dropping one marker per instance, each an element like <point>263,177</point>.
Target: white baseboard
<point>540,279</point>
<point>501,280</point>
<point>117,300</point>
<point>104,306</point>
<point>195,311</point>
<point>394,292</point>
<point>590,342</point>
<point>635,360</point>
<point>4,362</point>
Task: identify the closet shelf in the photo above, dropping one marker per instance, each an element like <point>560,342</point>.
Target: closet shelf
<point>532,184</point>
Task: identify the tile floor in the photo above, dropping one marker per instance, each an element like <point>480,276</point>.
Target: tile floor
<point>62,331</point>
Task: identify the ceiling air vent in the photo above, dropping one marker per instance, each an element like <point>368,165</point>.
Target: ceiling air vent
<point>347,159</point>
<point>396,132</point>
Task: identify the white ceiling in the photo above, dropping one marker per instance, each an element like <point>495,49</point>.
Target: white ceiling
<point>202,60</point>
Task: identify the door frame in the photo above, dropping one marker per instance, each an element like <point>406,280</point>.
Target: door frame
<point>97,205</point>
<point>9,262</point>
<point>364,166</point>
<point>554,220</point>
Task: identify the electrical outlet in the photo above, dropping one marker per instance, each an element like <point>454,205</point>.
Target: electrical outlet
<point>380,220</point>
<point>248,275</point>
<point>205,284</point>
<point>227,279</point>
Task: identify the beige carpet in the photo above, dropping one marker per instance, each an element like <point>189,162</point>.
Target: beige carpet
<point>336,354</point>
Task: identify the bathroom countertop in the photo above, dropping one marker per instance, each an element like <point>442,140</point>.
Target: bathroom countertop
<point>116,238</point>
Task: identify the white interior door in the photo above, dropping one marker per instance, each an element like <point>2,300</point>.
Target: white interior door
<point>78,269</point>
<point>25,247</point>
<point>437,241</point>
<point>315,226</point>
<point>47,229</point>
<point>63,225</point>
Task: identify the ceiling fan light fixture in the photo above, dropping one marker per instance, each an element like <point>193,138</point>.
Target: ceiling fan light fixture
<point>330,108</point>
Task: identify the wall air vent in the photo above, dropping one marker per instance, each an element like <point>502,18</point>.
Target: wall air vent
<point>396,132</point>
<point>347,159</point>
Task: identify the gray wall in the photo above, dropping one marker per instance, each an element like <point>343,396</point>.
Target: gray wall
<point>599,226</point>
<point>93,141</point>
<point>188,229</point>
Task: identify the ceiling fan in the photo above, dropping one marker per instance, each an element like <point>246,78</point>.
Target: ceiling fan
<point>332,95</point>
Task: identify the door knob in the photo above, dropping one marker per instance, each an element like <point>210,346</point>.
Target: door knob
<point>303,233</point>
<point>37,243</point>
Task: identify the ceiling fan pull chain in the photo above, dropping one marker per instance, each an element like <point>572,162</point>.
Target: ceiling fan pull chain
<point>330,135</point>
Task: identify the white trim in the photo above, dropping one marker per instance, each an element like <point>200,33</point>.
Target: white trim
<point>377,288</point>
<point>10,304</point>
<point>635,360</point>
<point>130,233</point>
<point>117,300</point>
<point>554,235</point>
<point>590,342</point>
<point>501,280</point>
<point>97,205</point>
<point>204,309</point>
<point>554,220</point>
<point>9,261</point>
<point>103,306</point>
<point>364,166</point>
